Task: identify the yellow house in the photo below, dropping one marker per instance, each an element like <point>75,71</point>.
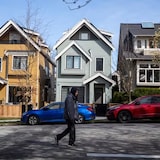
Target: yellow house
<point>26,68</point>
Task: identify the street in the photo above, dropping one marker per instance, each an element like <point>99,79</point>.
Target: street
<point>95,141</point>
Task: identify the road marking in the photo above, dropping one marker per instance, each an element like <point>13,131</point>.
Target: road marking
<point>137,156</point>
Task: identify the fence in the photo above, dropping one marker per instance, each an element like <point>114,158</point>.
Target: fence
<point>10,111</point>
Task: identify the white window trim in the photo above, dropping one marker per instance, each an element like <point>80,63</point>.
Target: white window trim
<point>80,36</point>
<point>96,64</point>
<point>17,56</point>
<point>1,64</point>
<point>146,83</point>
<point>73,68</point>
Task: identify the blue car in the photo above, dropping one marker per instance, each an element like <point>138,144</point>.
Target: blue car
<point>54,113</point>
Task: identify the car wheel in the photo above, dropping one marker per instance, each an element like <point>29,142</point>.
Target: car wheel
<point>124,116</point>
<point>80,119</point>
<point>32,120</point>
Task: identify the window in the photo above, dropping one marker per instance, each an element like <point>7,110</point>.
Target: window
<point>84,36</point>
<point>14,38</point>
<point>145,43</point>
<point>151,44</point>
<point>156,99</point>
<point>17,94</point>
<point>20,62</point>
<point>0,64</point>
<point>99,64</point>
<point>73,62</point>
<point>148,73</point>
<point>139,45</point>
<point>145,100</point>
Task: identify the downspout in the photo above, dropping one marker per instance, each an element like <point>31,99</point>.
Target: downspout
<point>6,76</point>
<point>90,53</point>
<point>37,83</point>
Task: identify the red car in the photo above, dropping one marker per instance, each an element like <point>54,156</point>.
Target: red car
<point>141,108</point>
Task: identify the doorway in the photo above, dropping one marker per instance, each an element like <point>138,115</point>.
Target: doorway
<point>98,93</point>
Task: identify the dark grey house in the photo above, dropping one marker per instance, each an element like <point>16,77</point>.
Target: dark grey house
<point>136,52</point>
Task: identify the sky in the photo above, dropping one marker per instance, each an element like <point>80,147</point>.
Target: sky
<point>54,17</point>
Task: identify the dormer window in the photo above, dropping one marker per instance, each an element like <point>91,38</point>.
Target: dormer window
<point>139,45</point>
<point>84,36</point>
<point>14,38</point>
<point>151,44</point>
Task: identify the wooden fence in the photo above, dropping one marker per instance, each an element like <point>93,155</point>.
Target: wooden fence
<point>10,111</point>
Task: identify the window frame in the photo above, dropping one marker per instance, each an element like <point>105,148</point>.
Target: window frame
<point>73,62</point>
<point>19,66</point>
<point>147,74</point>
<point>139,44</point>
<point>99,70</point>
<point>84,36</point>
<point>0,64</point>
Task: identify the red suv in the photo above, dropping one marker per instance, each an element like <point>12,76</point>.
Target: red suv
<point>141,108</point>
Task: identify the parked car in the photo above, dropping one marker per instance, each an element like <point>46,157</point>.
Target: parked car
<point>54,113</point>
<point>141,108</point>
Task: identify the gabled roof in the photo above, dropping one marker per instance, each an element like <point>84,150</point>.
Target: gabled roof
<point>73,43</point>
<point>136,29</point>
<point>102,76</point>
<point>77,27</point>
<point>9,24</point>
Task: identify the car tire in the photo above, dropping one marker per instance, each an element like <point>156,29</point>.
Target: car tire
<point>124,116</point>
<point>33,120</point>
<point>80,119</point>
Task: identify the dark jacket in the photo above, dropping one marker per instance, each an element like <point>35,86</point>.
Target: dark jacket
<point>70,109</point>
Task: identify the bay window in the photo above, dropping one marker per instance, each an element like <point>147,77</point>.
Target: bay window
<point>148,73</point>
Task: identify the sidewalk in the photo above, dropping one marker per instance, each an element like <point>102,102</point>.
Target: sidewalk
<point>9,120</point>
<point>18,120</point>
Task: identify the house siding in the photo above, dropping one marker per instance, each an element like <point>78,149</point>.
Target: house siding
<point>90,49</point>
<point>36,60</point>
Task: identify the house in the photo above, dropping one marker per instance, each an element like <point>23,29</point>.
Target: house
<point>26,69</point>
<point>84,60</point>
<point>136,52</point>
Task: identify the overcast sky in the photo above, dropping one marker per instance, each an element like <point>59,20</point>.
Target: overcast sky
<point>56,17</point>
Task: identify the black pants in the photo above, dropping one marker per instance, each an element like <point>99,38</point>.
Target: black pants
<point>71,130</point>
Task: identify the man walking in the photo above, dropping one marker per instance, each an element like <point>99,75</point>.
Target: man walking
<point>70,115</point>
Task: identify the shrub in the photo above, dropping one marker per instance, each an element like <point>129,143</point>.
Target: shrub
<point>122,97</point>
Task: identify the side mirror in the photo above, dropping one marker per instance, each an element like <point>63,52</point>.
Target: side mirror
<point>137,103</point>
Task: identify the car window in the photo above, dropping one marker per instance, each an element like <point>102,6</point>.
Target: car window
<point>62,105</point>
<point>54,106</point>
<point>156,99</point>
<point>145,100</point>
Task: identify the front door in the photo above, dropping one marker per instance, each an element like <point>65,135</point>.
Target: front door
<point>98,94</point>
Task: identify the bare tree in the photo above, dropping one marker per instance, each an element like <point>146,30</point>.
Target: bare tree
<point>31,26</point>
<point>156,54</point>
<point>76,4</point>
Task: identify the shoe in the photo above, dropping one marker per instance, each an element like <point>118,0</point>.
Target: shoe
<point>56,140</point>
<point>73,145</point>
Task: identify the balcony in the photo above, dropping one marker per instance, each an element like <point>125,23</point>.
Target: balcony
<point>151,51</point>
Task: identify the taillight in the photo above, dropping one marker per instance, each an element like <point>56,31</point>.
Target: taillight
<point>90,109</point>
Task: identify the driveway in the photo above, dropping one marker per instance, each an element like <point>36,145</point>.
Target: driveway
<point>97,141</point>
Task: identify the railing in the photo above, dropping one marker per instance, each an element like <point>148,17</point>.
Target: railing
<point>151,51</point>
<point>10,111</point>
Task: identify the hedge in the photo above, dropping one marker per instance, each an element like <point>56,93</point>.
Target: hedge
<point>122,97</point>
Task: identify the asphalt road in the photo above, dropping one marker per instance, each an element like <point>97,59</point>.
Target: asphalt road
<point>96,141</point>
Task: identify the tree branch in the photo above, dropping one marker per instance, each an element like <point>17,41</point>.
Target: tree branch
<point>75,3</point>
